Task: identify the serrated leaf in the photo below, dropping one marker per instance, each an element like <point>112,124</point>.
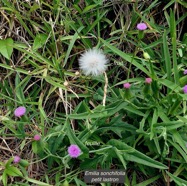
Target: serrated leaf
<point>6,47</point>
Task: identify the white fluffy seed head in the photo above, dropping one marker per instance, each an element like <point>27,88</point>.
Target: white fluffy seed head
<point>93,62</point>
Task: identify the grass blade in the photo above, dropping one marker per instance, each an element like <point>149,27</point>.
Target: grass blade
<point>126,57</point>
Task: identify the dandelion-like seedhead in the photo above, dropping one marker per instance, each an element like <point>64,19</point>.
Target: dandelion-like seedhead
<point>141,26</point>
<point>74,151</point>
<point>93,62</point>
<point>20,111</point>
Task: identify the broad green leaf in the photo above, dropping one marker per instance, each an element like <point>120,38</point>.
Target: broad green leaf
<point>171,125</point>
<point>91,163</point>
<point>117,127</point>
<point>109,111</point>
<point>37,182</point>
<point>178,138</point>
<point>177,180</point>
<point>179,149</point>
<point>6,47</point>
<point>55,143</point>
<point>35,147</point>
<point>13,171</point>
<point>148,182</point>
<point>8,163</point>
<point>87,115</point>
<point>131,154</point>
<point>5,178</point>
<point>74,140</point>
<point>120,156</point>
<point>39,41</point>
<point>174,87</point>
<point>79,182</point>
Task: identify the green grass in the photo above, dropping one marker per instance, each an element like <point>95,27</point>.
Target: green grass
<point>142,129</point>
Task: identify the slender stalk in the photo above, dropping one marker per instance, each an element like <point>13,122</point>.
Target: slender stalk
<point>105,88</point>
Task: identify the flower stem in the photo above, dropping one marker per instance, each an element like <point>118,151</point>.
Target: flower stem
<point>105,88</point>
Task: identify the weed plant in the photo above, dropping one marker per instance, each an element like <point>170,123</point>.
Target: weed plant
<point>132,116</point>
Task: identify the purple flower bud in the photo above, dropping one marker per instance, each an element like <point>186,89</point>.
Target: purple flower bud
<point>185,89</point>
<point>185,72</point>
<point>126,85</point>
<point>16,159</point>
<point>20,111</point>
<point>74,151</point>
<point>37,137</point>
<point>141,26</point>
<point>148,80</point>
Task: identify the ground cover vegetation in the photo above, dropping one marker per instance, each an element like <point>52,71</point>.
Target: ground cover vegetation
<point>120,105</point>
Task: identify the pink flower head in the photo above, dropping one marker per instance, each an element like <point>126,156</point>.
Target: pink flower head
<point>126,85</point>
<point>74,151</point>
<point>37,137</point>
<point>141,26</point>
<point>20,111</point>
<point>185,72</point>
<point>16,159</point>
<point>185,89</point>
<point>148,80</point>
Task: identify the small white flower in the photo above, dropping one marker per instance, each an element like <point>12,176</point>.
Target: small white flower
<point>93,62</point>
